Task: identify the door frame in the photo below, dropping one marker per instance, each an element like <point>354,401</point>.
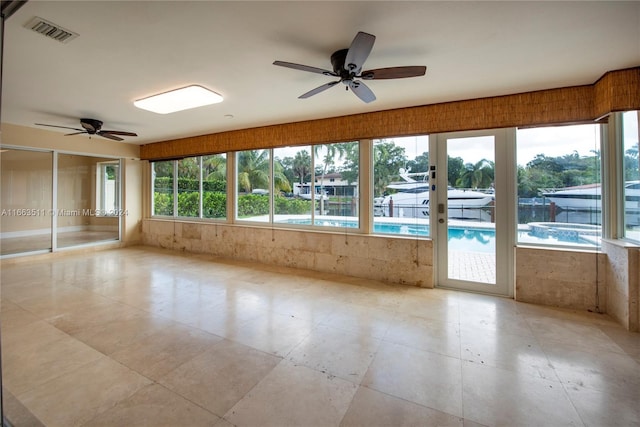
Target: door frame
<point>505,211</point>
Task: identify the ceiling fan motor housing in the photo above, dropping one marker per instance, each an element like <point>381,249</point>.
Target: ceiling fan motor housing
<point>337,61</point>
<point>91,125</point>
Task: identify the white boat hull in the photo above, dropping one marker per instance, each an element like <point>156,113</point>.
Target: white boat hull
<point>461,205</point>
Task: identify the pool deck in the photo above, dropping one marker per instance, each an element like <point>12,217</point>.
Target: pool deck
<point>472,266</point>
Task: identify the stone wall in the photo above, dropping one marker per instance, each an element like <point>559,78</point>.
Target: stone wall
<point>398,260</point>
<point>623,278</point>
<point>561,278</point>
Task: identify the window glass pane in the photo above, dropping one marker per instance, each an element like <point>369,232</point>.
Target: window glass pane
<point>631,135</point>
<point>253,183</point>
<point>27,187</point>
<point>335,191</point>
<point>162,188</point>
<point>214,186</point>
<point>292,179</point>
<point>401,185</point>
<point>559,197</point>
<point>77,218</point>
<point>189,187</point>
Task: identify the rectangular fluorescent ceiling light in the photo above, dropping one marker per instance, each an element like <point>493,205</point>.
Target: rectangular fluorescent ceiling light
<point>178,100</point>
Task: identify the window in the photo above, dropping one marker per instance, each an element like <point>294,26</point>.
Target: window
<point>253,184</point>
<point>559,194</point>
<point>214,186</point>
<point>335,193</point>
<point>162,188</point>
<point>292,179</point>
<point>189,187</point>
<point>401,185</point>
<point>631,170</point>
<point>107,188</point>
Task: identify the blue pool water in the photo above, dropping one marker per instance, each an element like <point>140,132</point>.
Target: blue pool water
<point>464,238</point>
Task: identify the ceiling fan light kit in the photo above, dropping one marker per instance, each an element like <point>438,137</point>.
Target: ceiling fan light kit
<point>347,65</point>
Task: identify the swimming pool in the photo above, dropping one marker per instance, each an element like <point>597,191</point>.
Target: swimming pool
<point>475,239</point>
<point>463,238</point>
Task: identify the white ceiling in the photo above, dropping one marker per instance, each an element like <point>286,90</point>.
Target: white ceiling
<point>129,50</point>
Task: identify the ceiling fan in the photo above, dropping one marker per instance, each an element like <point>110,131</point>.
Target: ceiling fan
<point>347,65</point>
<point>93,127</point>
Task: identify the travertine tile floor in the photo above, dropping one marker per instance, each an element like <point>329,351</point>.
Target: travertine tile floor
<point>140,336</point>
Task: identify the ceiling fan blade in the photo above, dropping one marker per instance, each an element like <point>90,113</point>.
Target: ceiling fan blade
<point>304,68</point>
<point>117,132</point>
<point>318,90</point>
<point>359,51</point>
<point>362,91</point>
<point>61,127</point>
<point>109,136</point>
<point>394,73</point>
<point>75,133</point>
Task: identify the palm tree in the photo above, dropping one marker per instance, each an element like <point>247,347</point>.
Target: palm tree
<point>333,150</point>
<point>214,167</point>
<point>280,180</point>
<point>253,172</point>
<point>478,175</point>
<point>302,165</point>
<point>388,159</point>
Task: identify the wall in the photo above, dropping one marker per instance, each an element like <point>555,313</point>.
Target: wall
<point>132,199</point>
<point>623,280</point>
<point>566,279</point>
<point>393,260</point>
<point>561,278</point>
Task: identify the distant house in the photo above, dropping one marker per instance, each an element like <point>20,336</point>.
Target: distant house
<point>333,185</point>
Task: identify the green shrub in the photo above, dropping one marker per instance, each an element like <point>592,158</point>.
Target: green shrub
<point>163,203</point>
<point>284,205</point>
<point>164,184</point>
<point>188,204</point>
<point>214,205</point>
<point>253,205</point>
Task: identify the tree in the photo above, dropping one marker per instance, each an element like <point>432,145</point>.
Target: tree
<point>189,168</point>
<point>350,169</point>
<point>388,158</point>
<point>280,180</point>
<point>302,166</point>
<point>478,175</point>
<point>420,163</point>
<point>455,168</point>
<point>253,170</point>
<point>287,165</point>
<point>214,167</point>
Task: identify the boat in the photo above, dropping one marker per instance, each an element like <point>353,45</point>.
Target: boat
<point>410,199</point>
<point>589,197</point>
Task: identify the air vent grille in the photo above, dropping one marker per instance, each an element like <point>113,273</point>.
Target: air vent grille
<point>50,30</point>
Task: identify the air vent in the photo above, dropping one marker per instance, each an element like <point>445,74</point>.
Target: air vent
<point>51,30</point>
